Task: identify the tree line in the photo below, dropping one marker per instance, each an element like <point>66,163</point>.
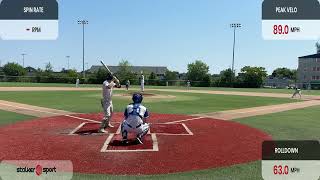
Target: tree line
<point>197,73</point>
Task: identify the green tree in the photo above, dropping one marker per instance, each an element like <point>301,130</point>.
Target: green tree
<point>152,79</point>
<point>284,73</point>
<point>226,78</point>
<point>152,76</point>
<point>48,68</point>
<point>252,77</point>
<point>198,72</point>
<point>171,75</point>
<point>125,72</point>
<point>14,69</point>
<point>72,73</point>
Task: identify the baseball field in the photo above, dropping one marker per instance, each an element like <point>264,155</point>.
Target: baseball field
<point>201,133</point>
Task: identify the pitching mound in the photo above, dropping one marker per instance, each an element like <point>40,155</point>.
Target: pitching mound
<point>145,94</point>
<point>175,143</point>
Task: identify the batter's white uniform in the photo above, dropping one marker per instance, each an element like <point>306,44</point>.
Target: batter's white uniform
<point>106,100</point>
<point>134,120</point>
<point>142,83</point>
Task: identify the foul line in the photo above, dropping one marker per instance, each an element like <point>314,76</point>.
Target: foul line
<point>77,128</point>
<point>184,120</point>
<point>85,119</point>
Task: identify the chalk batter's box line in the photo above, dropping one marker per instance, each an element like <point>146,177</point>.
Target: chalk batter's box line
<point>189,132</point>
<point>155,146</point>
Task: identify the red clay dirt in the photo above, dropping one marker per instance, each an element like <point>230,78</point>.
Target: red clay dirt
<point>214,143</point>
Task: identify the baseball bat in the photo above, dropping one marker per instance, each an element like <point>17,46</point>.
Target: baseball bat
<point>105,66</point>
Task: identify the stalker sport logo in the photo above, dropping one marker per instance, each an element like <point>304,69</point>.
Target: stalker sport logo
<point>38,170</point>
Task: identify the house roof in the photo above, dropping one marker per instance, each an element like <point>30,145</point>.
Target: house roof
<point>135,69</point>
<point>311,56</point>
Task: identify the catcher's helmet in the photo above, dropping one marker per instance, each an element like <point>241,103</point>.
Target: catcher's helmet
<point>137,98</point>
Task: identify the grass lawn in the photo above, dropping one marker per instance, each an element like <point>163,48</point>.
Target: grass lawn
<point>301,124</point>
<point>262,90</point>
<point>184,103</point>
<point>10,117</point>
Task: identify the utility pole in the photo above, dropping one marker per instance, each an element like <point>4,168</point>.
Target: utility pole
<point>234,26</point>
<point>23,54</point>
<point>83,23</point>
<point>68,59</point>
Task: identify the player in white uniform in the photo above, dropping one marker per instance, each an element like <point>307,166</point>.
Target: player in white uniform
<point>135,120</point>
<point>296,92</point>
<point>142,83</point>
<point>77,82</point>
<point>188,84</point>
<point>106,101</point>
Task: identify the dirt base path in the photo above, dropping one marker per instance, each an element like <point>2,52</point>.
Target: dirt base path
<point>31,110</point>
<point>256,111</point>
<point>237,93</point>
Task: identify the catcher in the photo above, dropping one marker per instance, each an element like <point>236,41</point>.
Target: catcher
<point>135,120</point>
<point>106,101</point>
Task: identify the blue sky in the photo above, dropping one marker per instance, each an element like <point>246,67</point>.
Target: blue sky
<point>169,33</point>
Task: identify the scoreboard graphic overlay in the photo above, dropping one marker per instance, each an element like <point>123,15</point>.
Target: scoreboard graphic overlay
<point>292,160</point>
<point>28,19</point>
<point>291,19</point>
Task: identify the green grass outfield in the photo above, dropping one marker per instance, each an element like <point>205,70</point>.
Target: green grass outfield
<point>183,103</point>
<point>300,124</point>
<point>262,90</point>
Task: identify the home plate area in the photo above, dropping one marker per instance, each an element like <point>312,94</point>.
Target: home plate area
<point>175,143</point>
<point>114,143</point>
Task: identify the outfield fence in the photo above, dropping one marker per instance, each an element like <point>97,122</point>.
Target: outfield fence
<point>156,82</point>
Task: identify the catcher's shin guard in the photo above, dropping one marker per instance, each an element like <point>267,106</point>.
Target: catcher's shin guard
<point>144,132</point>
<point>124,133</point>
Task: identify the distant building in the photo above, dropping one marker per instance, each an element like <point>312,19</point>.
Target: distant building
<point>275,82</point>
<point>309,71</point>
<point>30,71</point>
<point>160,71</point>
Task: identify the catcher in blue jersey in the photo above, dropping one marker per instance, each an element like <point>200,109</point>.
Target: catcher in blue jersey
<point>135,120</point>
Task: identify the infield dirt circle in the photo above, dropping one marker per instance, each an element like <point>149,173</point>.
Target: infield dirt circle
<point>175,143</point>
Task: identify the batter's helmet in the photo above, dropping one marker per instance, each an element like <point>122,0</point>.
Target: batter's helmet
<point>109,77</point>
<point>137,98</point>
